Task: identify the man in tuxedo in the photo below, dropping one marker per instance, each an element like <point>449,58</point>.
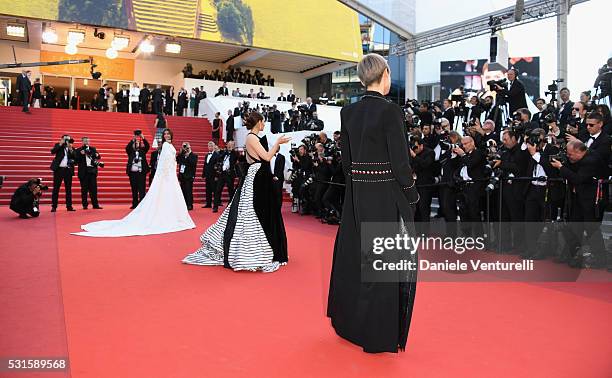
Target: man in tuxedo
<point>538,194</point>
<point>472,173</point>
<point>597,142</point>
<point>538,118</point>
<point>422,159</point>
<point>585,211</point>
<point>226,173</point>
<point>88,160</point>
<point>310,107</point>
<point>123,99</point>
<point>450,163</point>
<point>281,97</point>
<point>513,163</point>
<point>275,122</point>
<point>75,101</point>
<point>291,96</point>
<point>102,96</point>
<point>158,99</point>
<point>229,126</point>
<point>24,86</point>
<point>515,92</point>
<point>144,97</point>
<point>201,95</point>
<point>187,162</point>
<point>181,103</point>
<point>223,91</point>
<point>261,95</point>
<point>63,170</point>
<point>565,107</point>
<point>137,167</point>
<point>64,100</point>
<point>447,111</point>
<point>208,173</point>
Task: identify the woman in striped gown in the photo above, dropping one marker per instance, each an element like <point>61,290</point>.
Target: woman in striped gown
<point>250,234</point>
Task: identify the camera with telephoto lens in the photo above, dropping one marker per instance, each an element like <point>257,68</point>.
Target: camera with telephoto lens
<point>533,139</point>
<point>560,157</point>
<point>503,83</point>
<point>39,183</point>
<point>94,160</point>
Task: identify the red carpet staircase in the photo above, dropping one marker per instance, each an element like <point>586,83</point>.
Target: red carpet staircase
<point>28,139</point>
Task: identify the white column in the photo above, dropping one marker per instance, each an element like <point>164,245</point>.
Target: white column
<point>562,41</point>
<point>410,75</point>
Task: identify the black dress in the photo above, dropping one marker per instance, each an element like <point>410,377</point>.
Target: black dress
<point>379,188</point>
<point>250,234</point>
<point>216,134</point>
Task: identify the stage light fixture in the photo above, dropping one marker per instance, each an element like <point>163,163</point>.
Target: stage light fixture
<point>15,30</point>
<point>70,49</point>
<point>173,47</point>
<point>146,46</point>
<point>111,53</point>
<point>49,35</point>
<point>120,42</point>
<point>75,37</point>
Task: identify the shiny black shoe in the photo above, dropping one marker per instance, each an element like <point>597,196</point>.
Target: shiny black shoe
<point>206,207</point>
<point>70,209</point>
<point>23,216</point>
<point>84,207</point>
<point>53,209</point>
<point>98,207</point>
<point>215,210</point>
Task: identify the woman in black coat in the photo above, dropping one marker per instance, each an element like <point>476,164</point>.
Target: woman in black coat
<point>379,188</point>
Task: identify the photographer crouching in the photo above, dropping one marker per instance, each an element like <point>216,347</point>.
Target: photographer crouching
<point>88,160</point>
<point>586,208</point>
<point>187,162</point>
<point>25,199</point>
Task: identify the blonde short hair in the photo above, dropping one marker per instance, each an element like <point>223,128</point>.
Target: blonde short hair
<point>371,69</point>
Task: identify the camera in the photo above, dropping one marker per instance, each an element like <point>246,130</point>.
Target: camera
<point>39,183</point>
<point>561,157</point>
<point>137,132</point>
<point>68,140</point>
<point>501,83</point>
<point>533,139</point>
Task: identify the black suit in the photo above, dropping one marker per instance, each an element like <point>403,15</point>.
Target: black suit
<point>209,174</point>
<point>291,98</point>
<point>281,98</point>
<point>600,147</point>
<point>138,178</point>
<point>23,202</point>
<point>472,192</point>
<point>584,215</point>
<point>62,173</point>
<point>88,175</point>
<point>102,103</point>
<point>229,129</point>
<point>514,163</point>
<point>158,100</point>
<point>516,95</point>
<point>449,114</point>
<point>225,177</point>
<point>123,101</point>
<point>564,112</point>
<point>24,86</point>
<point>311,109</point>
<point>181,104</point>
<point>187,170</point>
<point>223,91</point>
<point>74,102</point>
<point>144,100</point>
<point>275,122</point>
<point>422,164</point>
<point>64,102</point>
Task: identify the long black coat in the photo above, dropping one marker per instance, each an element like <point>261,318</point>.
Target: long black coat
<point>374,315</point>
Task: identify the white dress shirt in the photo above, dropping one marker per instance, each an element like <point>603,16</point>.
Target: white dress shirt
<point>592,139</point>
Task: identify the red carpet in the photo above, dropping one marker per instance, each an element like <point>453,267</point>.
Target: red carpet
<point>132,309</point>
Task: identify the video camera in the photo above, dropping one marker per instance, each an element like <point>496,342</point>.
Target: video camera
<point>553,89</point>
<point>503,83</point>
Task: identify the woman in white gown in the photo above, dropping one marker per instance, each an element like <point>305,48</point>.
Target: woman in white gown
<point>162,210</point>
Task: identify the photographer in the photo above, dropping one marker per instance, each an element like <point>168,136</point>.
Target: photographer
<point>595,139</point>
<point>315,124</point>
<point>521,122</point>
<point>539,194</point>
<point>187,162</point>
<point>25,199</point>
<point>483,134</point>
<point>137,166</point>
<point>472,176</point>
<point>209,174</point>
<point>63,170</point>
<point>576,123</point>
<point>446,111</point>
<point>88,160</point>
<point>450,163</point>
<point>226,173</point>
<point>422,160</point>
<point>332,199</point>
<point>514,92</point>
<point>301,172</point>
<point>322,175</point>
<point>586,213</point>
<point>565,107</point>
<point>475,109</point>
<point>513,163</point>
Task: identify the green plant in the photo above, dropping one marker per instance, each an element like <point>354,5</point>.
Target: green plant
<point>235,21</point>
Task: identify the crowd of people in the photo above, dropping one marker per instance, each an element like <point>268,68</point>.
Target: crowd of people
<point>232,75</point>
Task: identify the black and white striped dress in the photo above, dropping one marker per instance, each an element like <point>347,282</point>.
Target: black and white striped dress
<point>248,247</point>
